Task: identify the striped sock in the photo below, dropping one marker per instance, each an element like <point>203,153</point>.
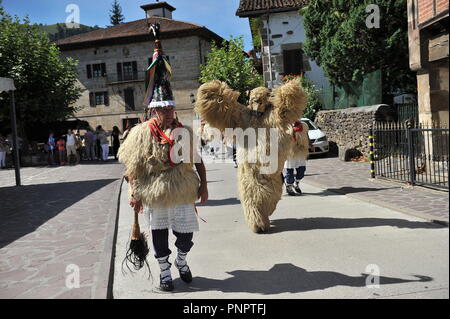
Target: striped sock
<point>181,262</point>
<point>164,266</point>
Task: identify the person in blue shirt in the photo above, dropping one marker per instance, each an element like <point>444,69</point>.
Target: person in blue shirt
<point>51,143</point>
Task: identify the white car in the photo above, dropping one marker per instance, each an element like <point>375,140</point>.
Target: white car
<point>318,140</point>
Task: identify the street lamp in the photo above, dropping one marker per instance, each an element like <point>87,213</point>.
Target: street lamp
<point>7,85</point>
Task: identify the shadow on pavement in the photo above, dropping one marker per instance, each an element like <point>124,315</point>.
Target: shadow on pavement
<point>347,190</point>
<point>221,202</point>
<point>26,208</point>
<point>303,224</point>
<point>283,278</point>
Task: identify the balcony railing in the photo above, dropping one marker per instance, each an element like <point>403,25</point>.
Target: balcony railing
<point>115,78</point>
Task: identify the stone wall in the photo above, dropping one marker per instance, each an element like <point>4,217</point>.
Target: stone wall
<point>349,128</point>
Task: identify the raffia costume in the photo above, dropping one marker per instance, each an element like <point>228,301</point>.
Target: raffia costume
<point>217,104</point>
<point>297,157</point>
<point>167,188</point>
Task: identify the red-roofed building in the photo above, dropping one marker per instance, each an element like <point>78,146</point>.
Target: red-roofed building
<point>278,35</point>
<point>112,64</point>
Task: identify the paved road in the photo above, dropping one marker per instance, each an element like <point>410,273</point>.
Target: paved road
<point>62,216</point>
<point>321,245</point>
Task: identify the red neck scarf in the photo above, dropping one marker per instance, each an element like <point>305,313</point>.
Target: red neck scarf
<point>298,127</point>
<point>161,137</point>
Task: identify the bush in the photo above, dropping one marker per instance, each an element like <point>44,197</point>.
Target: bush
<point>314,103</point>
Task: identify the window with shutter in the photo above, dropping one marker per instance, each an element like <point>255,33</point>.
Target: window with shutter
<point>106,98</point>
<point>127,71</point>
<point>119,72</point>
<point>135,71</point>
<point>97,70</point>
<point>99,98</point>
<point>103,69</point>
<point>89,71</point>
<point>129,98</point>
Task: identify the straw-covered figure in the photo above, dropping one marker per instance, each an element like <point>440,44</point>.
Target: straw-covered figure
<point>260,185</point>
<point>158,155</point>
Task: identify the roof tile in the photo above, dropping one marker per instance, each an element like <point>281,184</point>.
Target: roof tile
<point>247,7</point>
<point>129,29</point>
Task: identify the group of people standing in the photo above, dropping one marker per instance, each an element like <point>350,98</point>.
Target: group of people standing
<point>93,145</point>
<point>6,149</point>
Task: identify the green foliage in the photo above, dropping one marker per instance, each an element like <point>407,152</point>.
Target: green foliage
<point>341,43</point>
<point>116,17</point>
<point>255,27</point>
<point>314,103</point>
<point>228,63</point>
<point>45,83</point>
<point>60,31</point>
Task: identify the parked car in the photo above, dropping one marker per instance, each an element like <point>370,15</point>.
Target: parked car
<point>318,140</point>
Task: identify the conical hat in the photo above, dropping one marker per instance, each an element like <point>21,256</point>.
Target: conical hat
<point>157,81</point>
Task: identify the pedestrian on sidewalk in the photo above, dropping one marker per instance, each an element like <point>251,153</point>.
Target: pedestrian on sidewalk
<point>3,149</point>
<point>71,146</point>
<point>104,143</point>
<point>162,186</point>
<point>79,145</point>
<point>61,145</point>
<point>51,144</point>
<point>98,147</point>
<point>297,158</point>
<point>115,136</point>
<point>89,144</point>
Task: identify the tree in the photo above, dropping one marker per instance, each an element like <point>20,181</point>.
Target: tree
<point>116,17</point>
<point>314,103</point>
<point>45,83</point>
<point>229,64</point>
<point>339,40</point>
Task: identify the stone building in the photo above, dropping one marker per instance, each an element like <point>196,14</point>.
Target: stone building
<point>428,55</point>
<point>278,33</point>
<point>112,64</point>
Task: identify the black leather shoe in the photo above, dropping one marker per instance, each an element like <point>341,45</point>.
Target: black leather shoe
<point>290,190</point>
<point>297,189</point>
<point>186,276</point>
<point>166,285</point>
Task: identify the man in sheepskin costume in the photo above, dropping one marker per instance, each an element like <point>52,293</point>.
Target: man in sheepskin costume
<point>297,158</point>
<point>163,183</point>
<point>217,104</point>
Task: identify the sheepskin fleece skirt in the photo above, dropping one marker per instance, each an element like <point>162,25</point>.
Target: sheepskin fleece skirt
<point>180,218</point>
<point>168,188</point>
<point>294,163</point>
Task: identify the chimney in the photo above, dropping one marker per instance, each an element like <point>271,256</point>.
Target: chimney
<point>158,9</point>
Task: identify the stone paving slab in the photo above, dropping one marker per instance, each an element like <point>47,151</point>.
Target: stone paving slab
<point>353,179</point>
<point>320,245</point>
<point>61,216</point>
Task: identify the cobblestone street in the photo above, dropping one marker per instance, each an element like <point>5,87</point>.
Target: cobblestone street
<point>66,216</point>
<point>61,216</point>
<point>352,179</point>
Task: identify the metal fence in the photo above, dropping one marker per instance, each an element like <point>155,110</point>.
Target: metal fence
<point>418,155</point>
<point>407,112</point>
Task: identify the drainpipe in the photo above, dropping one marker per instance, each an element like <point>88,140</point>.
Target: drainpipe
<point>269,51</point>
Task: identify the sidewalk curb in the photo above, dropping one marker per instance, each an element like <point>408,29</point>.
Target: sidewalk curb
<point>385,205</point>
<point>103,289</point>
